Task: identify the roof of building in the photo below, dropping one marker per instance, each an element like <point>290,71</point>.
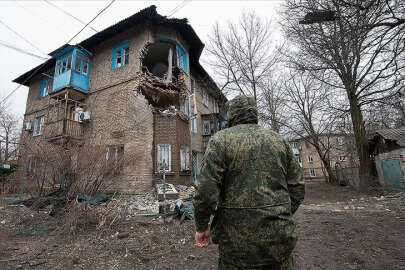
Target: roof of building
<point>147,15</point>
<point>394,134</point>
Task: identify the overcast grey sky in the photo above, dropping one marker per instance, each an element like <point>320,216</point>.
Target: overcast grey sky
<point>47,28</point>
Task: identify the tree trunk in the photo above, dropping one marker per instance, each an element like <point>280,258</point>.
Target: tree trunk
<point>6,150</point>
<point>361,142</point>
<point>326,163</point>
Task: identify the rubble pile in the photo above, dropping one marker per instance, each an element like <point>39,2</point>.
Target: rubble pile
<point>148,203</point>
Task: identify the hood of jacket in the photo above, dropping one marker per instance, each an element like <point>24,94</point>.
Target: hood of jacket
<point>242,110</point>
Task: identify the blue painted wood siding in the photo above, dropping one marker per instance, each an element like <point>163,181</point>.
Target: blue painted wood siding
<point>181,57</point>
<point>68,74</point>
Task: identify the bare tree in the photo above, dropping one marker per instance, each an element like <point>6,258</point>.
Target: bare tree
<point>351,53</point>
<point>243,54</point>
<point>309,117</point>
<point>271,104</point>
<point>9,134</point>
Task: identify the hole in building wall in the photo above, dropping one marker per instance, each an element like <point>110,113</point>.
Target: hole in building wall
<point>157,59</point>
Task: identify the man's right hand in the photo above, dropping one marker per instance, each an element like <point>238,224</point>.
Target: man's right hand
<point>203,239</point>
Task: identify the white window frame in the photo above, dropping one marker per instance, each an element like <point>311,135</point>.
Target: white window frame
<point>310,159</point>
<point>339,141</point>
<point>342,157</point>
<point>160,149</point>
<point>125,55</point>
<point>193,124</point>
<point>312,172</point>
<point>204,130</point>
<point>39,123</point>
<point>294,145</point>
<point>185,157</point>
<point>204,97</point>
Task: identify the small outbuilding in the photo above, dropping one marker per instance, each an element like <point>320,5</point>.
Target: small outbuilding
<point>387,146</point>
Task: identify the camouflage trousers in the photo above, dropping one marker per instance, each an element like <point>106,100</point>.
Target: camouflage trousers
<point>286,265</point>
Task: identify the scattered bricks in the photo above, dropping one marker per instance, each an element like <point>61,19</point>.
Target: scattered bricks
<point>123,235</point>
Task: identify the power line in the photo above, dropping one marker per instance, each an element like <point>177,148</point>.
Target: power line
<point>178,7</point>
<point>92,20</point>
<point>39,67</point>
<point>69,14</point>
<point>10,46</point>
<point>46,21</point>
<point>26,40</point>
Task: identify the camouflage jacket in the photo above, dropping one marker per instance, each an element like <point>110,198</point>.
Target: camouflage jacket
<point>252,183</point>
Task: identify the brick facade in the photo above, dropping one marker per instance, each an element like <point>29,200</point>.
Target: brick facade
<point>122,114</point>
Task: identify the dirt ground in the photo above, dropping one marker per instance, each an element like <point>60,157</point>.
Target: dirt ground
<point>339,229</point>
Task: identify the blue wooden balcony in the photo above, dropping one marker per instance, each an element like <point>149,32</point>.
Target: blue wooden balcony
<point>72,69</point>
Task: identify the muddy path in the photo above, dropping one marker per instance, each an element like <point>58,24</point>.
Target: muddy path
<point>339,229</point>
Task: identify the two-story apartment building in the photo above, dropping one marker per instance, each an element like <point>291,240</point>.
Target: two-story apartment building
<point>134,89</point>
<point>341,153</point>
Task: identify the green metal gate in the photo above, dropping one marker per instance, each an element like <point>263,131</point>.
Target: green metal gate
<point>393,174</point>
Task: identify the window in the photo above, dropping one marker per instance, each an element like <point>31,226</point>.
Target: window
<point>192,85</point>
<point>120,55</point>
<point>206,127</point>
<point>44,87</point>
<point>212,126</point>
<point>298,159</point>
<point>164,159</point>
<point>187,107</point>
<point>339,140</point>
<point>181,58</point>
<point>114,157</point>
<point>342,158</point>
<point>312,172</point>
<point>185,157</point>
<point>310,159</point>
<point>82,64</point>
<point>39,125</point>
<point>294,144</point>
<point>216,107</point>
<point>64,64</point>
<point>31,162</point>
<point>126,55</point>
<point>194,124</point>
<point>204,98</point>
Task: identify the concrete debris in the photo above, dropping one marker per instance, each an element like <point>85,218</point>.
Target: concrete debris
<point>169,191</point>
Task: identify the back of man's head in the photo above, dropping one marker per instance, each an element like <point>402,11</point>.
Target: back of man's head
<point>242,110</point>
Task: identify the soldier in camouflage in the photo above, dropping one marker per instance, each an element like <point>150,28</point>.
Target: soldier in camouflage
<point>252,184</point>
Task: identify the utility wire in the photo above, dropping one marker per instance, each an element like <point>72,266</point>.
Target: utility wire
<point>92,20</point>
<point>178,7</point>
<point>38,68</point>
<point>11,46</point>
<point>26,40</point>
<point>46,21</point>
<point>69,14</point>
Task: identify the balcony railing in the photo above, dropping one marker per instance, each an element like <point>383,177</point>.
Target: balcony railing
<point>63,128</point>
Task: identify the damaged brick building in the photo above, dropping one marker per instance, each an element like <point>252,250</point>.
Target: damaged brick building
<point>136,88</point>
